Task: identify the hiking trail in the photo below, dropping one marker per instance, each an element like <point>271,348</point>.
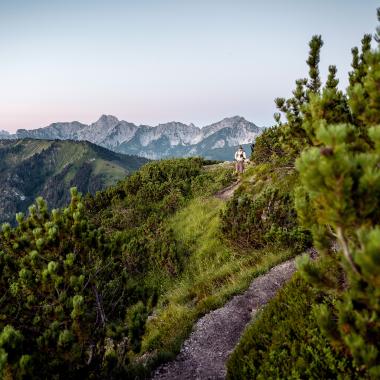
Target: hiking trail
<point>228,191</point>
<point>204,354</point>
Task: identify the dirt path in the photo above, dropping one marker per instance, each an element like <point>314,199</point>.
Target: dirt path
<point>205,352</point>
<point>228,191</point>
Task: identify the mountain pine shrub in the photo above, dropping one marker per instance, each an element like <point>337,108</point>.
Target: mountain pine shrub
<point>339,200</point>
<point>329,324</point>
<point>341,197</point>
<point>284,341</point>
<point>62,306</point>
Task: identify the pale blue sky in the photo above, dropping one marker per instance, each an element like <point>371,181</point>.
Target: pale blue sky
<point>151,61</point>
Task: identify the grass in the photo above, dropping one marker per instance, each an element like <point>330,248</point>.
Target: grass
<point>257,178</point>
<point>213,273</point>
<point>28,149</point>
<point>111,171</point>
<point>284,341</point>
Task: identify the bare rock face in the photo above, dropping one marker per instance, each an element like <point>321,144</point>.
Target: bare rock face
<point>172,139</point>
<point>4,135</point>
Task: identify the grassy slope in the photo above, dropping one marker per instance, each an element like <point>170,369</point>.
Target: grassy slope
<point>214,272</point>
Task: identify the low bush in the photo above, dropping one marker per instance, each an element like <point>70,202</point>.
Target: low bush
<point>284,340</point>
<point>62,307</point>
<point>262,211</point>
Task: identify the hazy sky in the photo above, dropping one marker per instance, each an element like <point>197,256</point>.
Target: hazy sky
<point>151,61</point>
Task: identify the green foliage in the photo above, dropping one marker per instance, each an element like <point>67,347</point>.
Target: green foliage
<point>310,105</point>
<point>336,139</point>
<point>295,135</point>
<point>315,46</point>
<point>339,202</point>
<point>268,146</point>
<point>136,319</point>
<point>31,168</point>
<point>364,98</point>
<point>284,341</point>
<point>261,212</point>
<point>134,212</point>
<point>60,294</point>
<point>213,273</point>
<point>343,190</point>
<point>77,282</point>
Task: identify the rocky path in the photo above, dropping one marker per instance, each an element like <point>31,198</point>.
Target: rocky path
<point>228,191</point>
<point>205,352</point>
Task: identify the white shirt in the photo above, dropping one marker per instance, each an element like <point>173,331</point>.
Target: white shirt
<point>240,155</point>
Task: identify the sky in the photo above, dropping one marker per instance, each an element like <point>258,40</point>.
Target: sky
<point>154,61</point>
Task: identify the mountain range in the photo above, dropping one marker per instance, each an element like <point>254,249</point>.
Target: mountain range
<point>48,168</point>
<point>173,139</point>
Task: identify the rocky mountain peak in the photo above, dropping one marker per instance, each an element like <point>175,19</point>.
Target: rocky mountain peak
<point>233,121</point>
<point>107,121</point>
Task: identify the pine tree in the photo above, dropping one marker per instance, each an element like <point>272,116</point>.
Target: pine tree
<point>332,81</point>
<point>377,34</point>
<point>342,198</point>
<point>339,201</point>
<point>362,92</point>
<point>309,105</point>
<point>314,83</point>
<point>330,105</point>
<point>293,108</point>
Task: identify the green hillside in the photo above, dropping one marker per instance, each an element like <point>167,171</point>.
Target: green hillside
<point>121,277</point>
<point>30,168</point>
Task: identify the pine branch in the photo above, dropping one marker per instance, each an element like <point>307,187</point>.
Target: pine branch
<point>346,251</point>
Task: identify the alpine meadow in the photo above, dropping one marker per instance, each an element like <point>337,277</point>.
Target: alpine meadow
<point>119,279</point>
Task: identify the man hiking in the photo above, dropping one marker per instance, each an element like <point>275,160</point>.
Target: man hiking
<point>240,157</point>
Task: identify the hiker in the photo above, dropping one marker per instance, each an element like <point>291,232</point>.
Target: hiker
<point>240,157</point>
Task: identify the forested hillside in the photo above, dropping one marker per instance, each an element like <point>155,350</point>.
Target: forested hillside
<point>31,168</point>
<point>325,323</point>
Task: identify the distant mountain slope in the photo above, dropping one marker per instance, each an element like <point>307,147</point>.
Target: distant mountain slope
<point>173,139</point>
<point>5,134</point>
<point>31,167</point>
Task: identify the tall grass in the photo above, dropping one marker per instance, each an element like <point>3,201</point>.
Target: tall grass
<point>213,273</point>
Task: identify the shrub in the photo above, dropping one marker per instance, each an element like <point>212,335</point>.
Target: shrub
<point>284,341</point>
<point>59,294</point>
<point>262,212</point>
